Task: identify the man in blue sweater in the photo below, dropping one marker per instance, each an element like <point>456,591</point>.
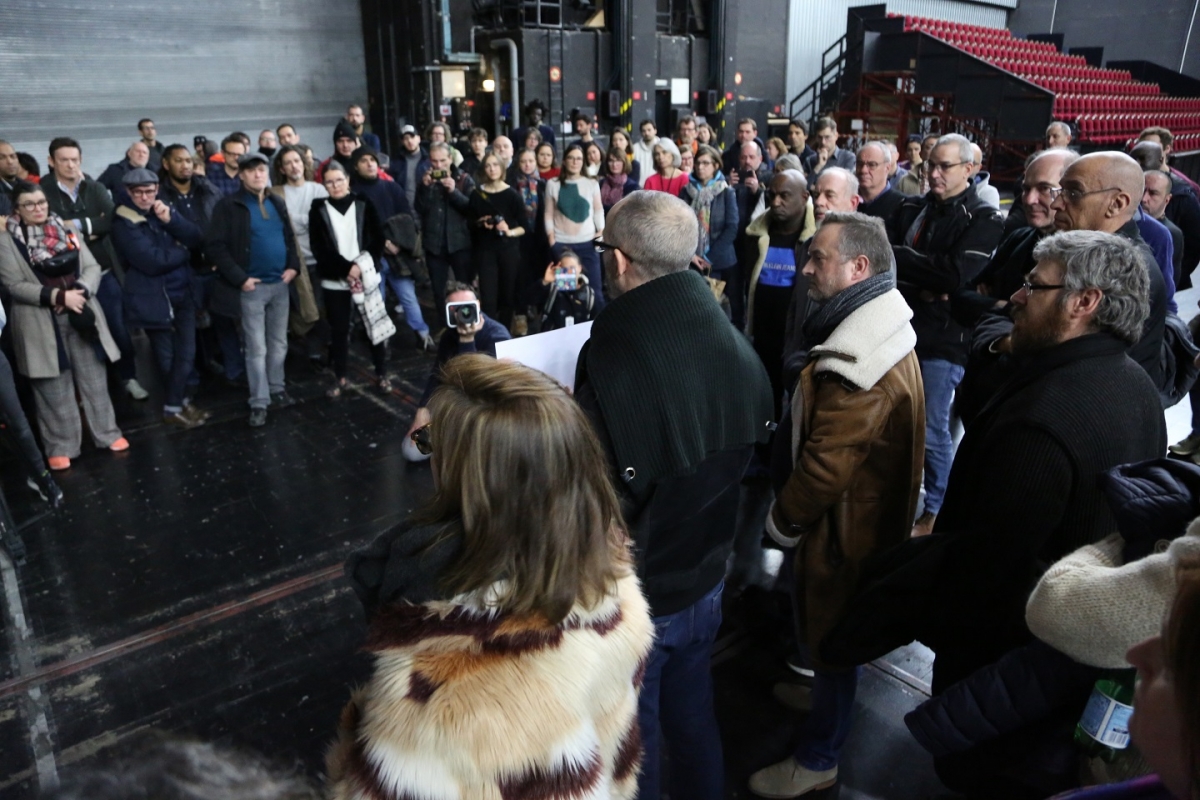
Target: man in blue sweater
<point>250,240</point>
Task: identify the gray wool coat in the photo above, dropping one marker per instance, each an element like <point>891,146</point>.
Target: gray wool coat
<point>33,323</point>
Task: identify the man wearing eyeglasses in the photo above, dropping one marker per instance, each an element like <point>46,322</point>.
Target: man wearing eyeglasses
<point>985,303</point>
<point>879,199</point>
<point>678,399</point>
<point>155,245</point>
<point>944,240</point>
<point>224,177</point>
<point>1102,192</point>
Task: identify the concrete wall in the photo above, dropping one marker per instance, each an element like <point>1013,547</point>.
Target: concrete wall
<point>90,70</point>
<point>1154,32</point>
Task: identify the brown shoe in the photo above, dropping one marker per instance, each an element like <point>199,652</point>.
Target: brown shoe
<point>195,414</point>
<point>924,524</point>
<point>180,420</point>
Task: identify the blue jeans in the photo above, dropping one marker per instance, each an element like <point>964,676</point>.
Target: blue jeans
<point>175,350</point>
<point>406,292</point>
<point>825,729</point>
<point>677,695</point>
<point>112,302</point>
<point>265,323</point>
<point>940,378</point>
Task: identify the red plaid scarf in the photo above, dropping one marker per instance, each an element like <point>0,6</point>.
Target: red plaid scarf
<point>43,241</point>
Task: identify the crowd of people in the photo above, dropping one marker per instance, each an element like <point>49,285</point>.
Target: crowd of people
<point>783,333</point>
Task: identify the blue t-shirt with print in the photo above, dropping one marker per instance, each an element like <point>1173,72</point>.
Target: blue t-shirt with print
<point>779,269</point>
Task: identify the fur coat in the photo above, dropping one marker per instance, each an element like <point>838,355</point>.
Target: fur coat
<point>468,704</point>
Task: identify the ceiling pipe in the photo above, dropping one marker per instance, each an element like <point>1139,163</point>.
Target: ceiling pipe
<point>514,81</point>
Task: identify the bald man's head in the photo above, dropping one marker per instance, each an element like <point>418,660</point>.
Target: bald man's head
<point>1101,192</point>
<point>787,200</point>
<point>1148,154</point>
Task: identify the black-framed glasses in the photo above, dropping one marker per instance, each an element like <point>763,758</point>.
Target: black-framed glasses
<point>603,247</point>
<point>422,438</point>
<point>29,205</point>
<point>946,166</point>
<point>1030,288</point>
<point>1073,196</point>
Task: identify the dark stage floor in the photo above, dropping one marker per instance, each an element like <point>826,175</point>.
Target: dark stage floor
<point>193,584</point>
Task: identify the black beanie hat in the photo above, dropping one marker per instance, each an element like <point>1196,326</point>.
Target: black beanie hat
<point>359,152</point>
<point>344,130</point>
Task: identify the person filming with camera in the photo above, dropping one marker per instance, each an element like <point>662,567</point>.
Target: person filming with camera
<point>468,330</point>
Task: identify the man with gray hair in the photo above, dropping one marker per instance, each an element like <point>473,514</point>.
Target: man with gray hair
<point>1058,135</point>
<point>136,157</point>
<point>880,198</point>
<point>854,441</point>
<point>943,240</point>
<point>1023,493</point>
<point>982,180</point>
<point>678,399</point>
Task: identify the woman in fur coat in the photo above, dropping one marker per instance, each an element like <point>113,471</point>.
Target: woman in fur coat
<point>508,630</point>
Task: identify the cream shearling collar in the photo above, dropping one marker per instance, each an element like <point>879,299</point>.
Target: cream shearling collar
<point>874,338</point>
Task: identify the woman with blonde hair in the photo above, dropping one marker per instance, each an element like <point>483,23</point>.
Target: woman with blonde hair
<point>507,626</point>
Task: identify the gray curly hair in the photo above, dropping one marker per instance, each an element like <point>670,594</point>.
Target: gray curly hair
<point>1110,263</point>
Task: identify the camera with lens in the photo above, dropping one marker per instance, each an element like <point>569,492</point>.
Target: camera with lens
<point>438,174</point>
<point>496,219</point>
<point>465,313</point>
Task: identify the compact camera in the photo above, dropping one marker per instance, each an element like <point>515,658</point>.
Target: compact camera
<point>465,312</point>
<point>438,174</point>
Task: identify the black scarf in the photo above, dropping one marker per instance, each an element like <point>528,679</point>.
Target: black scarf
<point>675,381</point>
<point>823,318</point>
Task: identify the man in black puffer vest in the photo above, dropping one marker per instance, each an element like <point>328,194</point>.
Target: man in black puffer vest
<point>678,398</point>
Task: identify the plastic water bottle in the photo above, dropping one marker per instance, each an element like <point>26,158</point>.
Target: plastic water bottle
<point>1103,730</point>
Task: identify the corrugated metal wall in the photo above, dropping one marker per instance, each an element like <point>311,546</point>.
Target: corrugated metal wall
<point>813,25</point>
<point>91,68</point>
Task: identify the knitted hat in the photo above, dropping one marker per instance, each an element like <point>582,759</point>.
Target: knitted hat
<point>359,152</point>
<point>343,130</point>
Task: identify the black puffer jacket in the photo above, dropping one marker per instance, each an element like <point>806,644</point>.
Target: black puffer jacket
<point>442,211</point>
<point>941,247</point>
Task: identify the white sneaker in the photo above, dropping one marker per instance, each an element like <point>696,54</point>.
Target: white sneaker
<point>789,779</point>
<point>135,390</point>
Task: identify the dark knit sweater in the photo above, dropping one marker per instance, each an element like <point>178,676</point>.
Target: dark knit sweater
<point>678,398</point>
<point>675,380</point>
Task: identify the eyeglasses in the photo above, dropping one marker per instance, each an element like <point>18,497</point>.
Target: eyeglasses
<point>1030,288</point>
<point>870,164</point>
<point>945,166</point>
<point>334,181</point>
<point>29,205</point>
<point>1043,189</point>
<point>142,191</point>
<point>603,247</point>
<point>422,439</point>
<point>1073,196</point>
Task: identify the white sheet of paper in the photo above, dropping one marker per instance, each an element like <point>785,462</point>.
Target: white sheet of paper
<point>552,352</point>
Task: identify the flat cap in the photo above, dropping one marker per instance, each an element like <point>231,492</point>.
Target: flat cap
<point>139,177</point>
